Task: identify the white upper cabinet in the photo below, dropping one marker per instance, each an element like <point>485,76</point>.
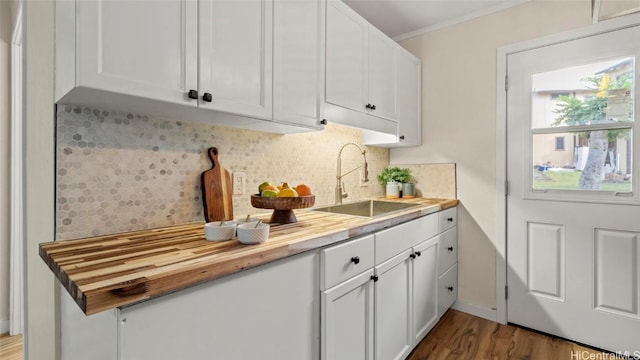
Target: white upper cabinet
<point>360,66</point>
<point>382,75</point>
<point>347,57</point>
<point>124,48</point>
<point>408,85</point>
<point>298,69</point>
<point>235,53</point>
<point>225,62</point>
<point>409,98</point>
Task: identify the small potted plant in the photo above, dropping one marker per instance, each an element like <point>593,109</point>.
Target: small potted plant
<point>393,179</point>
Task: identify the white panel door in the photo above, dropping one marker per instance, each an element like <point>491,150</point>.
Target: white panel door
<point>573,190</point>
<point>145,48</point>
<point>298,70</point>
<point>235,55</point>
<point>394,326</point>
<point>346,57</point>
<point>382,75</point>
<point>347,319</point>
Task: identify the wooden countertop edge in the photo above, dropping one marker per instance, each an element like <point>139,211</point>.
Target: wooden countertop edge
<point>147,285</point>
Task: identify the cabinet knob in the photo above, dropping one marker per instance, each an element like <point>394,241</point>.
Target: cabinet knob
<point>374,278</point>
<point>323,122</point>
<point>193,94</point>
<point>207,97</point>
<point>450,288</point>
<point>450,219</point>
<point>413,256</point>
<point>373,107</point>
<point>401,137</point>
<point>355,260</point>
<point>368,106</point>
<point>418,253</point>
<point>450,248</point>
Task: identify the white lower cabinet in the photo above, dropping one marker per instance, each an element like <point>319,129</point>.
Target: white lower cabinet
<point>381,310</point>
<point>424,284</point>
<point>393,297</point>
<point>269,312</point>
<point>347,319</point>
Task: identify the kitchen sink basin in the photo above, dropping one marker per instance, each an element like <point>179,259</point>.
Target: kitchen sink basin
<point>367,208</point>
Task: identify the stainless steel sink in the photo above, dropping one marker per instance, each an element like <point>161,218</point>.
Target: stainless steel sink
<point>368,208</point>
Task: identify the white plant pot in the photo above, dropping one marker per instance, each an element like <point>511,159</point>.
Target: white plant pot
<point>392,190</point>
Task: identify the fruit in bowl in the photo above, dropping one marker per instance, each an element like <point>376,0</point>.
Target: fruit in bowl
<point>283,190</point>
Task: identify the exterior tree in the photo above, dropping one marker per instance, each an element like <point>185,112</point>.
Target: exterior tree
<point>573,111</point>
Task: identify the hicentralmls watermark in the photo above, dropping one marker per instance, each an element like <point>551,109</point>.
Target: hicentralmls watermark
<point>589,355</point>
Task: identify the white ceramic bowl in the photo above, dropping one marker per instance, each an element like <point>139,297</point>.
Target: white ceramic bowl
<point>214,232</point>
<point>248,233</point>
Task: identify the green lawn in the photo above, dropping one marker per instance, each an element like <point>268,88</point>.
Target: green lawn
<point>568,180</point>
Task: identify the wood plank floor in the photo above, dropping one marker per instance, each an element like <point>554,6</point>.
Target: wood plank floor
<point>10,347</point>
<point>457,336</point>
<point>462,336</point>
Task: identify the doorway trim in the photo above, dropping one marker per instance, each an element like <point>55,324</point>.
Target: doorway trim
<point>501,136</point>
<point>16,256</point>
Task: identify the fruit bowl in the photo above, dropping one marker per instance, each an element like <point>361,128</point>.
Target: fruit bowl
<point>283,206</point>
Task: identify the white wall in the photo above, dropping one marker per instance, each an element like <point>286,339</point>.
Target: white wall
<point>41,324</point>
<point>459,115</point>
<point>5,136</point>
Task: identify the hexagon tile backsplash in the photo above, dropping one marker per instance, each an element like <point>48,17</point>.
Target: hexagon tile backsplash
<point>119,171</point>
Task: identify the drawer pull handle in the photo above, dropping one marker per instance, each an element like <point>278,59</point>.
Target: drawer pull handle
<point>413,256</point>
<point>355,260</point>
<point>450,219</point>
<point>418,253</point>
<point>374,278</point>
<point>450,248</point>
<point>450,288</point>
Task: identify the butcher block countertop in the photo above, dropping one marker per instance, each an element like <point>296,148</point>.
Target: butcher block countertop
<point>110,271</point>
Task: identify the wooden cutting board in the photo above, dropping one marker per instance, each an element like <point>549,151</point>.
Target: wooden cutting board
<point>216,190</point>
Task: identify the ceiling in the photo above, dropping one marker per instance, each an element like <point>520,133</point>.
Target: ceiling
<point>401,19</point>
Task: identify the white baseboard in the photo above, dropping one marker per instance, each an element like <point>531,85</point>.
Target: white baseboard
<point>489,314</point>
<point>4,326</point>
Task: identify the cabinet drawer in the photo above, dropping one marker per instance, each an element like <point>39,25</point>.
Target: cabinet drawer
<point>448,219</point>
<point>394,240</point>
<point>448,250</point>
<point>447,290</point>
<point>346,260</point>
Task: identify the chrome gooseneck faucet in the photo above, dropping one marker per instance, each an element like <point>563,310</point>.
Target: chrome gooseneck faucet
<point>339,194</point>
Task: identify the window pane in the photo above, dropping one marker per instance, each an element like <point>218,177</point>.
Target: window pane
<point>595,93</point>
<point>592,160</point>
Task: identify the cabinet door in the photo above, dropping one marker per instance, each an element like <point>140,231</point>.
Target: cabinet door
<point>425,285</point>
<point>235,53</point>
<point>382,74</point>
<point>298,73</point>
<point>156,61</point>
<point>347,320</point>
<point>346,57</point>
<point>409,98</point>
<point>393,338</point>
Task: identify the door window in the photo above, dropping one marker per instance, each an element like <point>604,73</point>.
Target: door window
<point>582,127</point>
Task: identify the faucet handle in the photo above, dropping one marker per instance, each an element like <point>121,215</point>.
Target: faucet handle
<point>344,194</point>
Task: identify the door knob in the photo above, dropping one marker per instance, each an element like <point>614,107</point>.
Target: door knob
<point>413,256</point>
<point>450,219</point>
<point>355,260</point>
<point>418,253</point>
<point>193,94</point>
<point>368,106</point>
<point>450,288</point>
<point>401,137</point>
<point>373,107</point>
<point>374,278</point>
<point>450,248</point>
<point>207,97</point>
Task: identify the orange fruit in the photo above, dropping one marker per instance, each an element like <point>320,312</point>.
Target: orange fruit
<point>303,190</point>
<point>287,192</point>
